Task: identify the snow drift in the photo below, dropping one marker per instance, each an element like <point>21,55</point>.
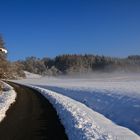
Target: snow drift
<point>7,97</point>
<point>116,96</point>
<point>82,123</point>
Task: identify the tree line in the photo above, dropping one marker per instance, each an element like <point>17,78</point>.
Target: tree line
<point>79,64</point>
<point>66,64</point>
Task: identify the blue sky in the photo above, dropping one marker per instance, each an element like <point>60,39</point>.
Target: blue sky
<point>53,27</point>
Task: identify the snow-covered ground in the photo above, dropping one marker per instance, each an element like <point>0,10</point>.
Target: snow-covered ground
<point>117,97</point>
<point>118,101</point>
<point>31,75</point>
<point>7,97</point>
<point>82,123</point>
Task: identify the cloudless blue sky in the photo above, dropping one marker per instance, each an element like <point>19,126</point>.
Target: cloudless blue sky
<point>52,27</point>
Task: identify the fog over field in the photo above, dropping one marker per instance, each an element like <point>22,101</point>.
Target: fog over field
<point>91,77</point>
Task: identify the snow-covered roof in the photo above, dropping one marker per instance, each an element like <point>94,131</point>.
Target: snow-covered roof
<point>3,50</point>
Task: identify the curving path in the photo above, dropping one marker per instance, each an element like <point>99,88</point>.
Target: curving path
<point>31,117</point>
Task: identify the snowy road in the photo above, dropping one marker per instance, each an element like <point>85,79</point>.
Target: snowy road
<point>31,117</point>
<point>113,98</point>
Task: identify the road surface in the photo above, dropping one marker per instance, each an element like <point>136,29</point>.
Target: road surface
<point>31,117</point>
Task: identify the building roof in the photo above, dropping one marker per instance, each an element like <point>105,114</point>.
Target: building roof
<point>3,50</point>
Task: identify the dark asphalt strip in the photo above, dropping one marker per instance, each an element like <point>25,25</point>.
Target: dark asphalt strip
<point>31,117</point>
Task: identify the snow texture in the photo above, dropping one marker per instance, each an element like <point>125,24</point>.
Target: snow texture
<point>31,75</point>
<point>113,100</point>
<point>116,96</point>
<point>7,97</point>
<point>82,123</point>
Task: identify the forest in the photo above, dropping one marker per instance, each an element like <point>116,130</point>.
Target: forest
<point>79,64</point>
<point>67,64</point>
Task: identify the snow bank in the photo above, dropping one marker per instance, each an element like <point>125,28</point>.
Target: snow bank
<point>82,123</point>
<point>119,104</point>
<point>7,97</point>
<point>117,98</point>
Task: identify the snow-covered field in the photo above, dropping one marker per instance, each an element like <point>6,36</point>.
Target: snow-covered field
<point>7,97</point>
<point>31,75</point>
<point>116,97</point>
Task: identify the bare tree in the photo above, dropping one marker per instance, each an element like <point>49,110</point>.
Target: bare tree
<point>3,60</point>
